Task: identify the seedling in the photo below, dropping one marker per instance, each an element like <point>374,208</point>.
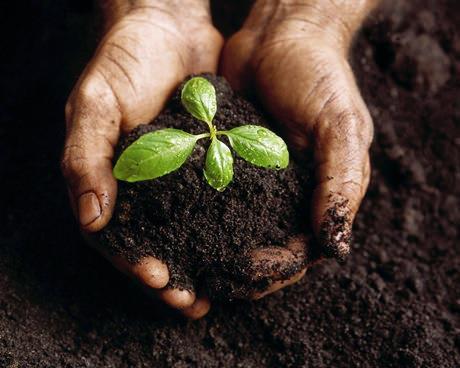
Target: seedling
<point>160,152</point>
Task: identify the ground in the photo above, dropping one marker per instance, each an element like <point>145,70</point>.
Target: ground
<point>394,303</point>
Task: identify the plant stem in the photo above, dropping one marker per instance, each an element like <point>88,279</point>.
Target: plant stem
<point>221,132</point>
<point>212,130</point>
<point>200,136</point>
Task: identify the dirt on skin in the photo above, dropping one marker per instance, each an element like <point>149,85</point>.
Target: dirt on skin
<point>205,236</point>
<point>394,303</point>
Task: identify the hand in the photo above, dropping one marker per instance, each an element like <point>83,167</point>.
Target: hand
<point>149,48</point>
<point>294,54</point>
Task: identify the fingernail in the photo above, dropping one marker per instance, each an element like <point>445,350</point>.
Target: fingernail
<point>89,208</point>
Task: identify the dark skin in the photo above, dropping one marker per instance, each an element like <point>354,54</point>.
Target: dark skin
<point>293,54</point>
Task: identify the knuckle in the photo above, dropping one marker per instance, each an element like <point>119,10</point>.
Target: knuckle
<point>73,162</point>
<point>93,100</point>
<point>351,126</point>
<point>351,122</point>
<point>96,96</point>
<point>83,99</point>
<point>88,93</point>
<point>352,189</point>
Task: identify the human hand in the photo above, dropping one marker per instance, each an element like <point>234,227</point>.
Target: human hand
<point>294,54</point>
<point>149,48</point>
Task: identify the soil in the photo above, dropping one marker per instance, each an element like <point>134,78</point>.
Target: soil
<point>205,236</point>
<point>394,303</point>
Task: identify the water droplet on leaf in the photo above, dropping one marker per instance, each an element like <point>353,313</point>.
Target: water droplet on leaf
<point>262,133</point>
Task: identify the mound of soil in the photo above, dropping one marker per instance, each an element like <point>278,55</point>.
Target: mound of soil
<point>394,303</point>
<point>201,234</point>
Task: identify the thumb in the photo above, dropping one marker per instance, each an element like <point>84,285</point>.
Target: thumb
<point>342,175</point>
<point>235,61</point>
<point>93,124</point>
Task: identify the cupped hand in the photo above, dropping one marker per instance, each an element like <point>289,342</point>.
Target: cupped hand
<point>146,52</point>
<point>294,54</point>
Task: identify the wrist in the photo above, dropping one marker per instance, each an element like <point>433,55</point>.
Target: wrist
<point>113,10</point>
<point>335,20</point>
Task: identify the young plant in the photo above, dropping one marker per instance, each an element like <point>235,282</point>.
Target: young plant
<point>162,151</point>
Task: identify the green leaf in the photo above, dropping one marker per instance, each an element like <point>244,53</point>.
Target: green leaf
<point>259,146</point>
<point>154,154</point>
<point>219,165</point>
<point>199,98</point>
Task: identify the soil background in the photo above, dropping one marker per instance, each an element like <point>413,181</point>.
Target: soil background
<point>394,303</point>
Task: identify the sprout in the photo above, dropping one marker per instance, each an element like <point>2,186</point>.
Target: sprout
<point>160,152</point>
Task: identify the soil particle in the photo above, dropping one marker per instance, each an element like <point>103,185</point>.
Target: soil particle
<point>335,234</point>
<point>413,219</point>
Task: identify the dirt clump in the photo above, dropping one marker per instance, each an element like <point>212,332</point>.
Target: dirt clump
<point>204,235</point>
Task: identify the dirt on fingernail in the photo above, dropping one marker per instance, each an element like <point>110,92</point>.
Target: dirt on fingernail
<point>335,236</point>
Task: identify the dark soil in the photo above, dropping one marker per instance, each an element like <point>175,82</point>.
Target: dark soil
<point>394,303</point>
<point>205,235</point>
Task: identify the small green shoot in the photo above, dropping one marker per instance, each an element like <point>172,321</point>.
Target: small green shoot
<point>160,152</point>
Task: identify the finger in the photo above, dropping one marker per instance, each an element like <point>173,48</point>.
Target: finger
<point>276,267</point>
<point>177,298</point>
<point>198,309</point>
<point>273,262</point>
<point>235,60</point>
<point>92,131</point>
<point>277,285</point>
<point>341,153</point>
<point>153,276</point>
<point>148,271</point>
<point>237,56</point>
<point>279,262</point>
